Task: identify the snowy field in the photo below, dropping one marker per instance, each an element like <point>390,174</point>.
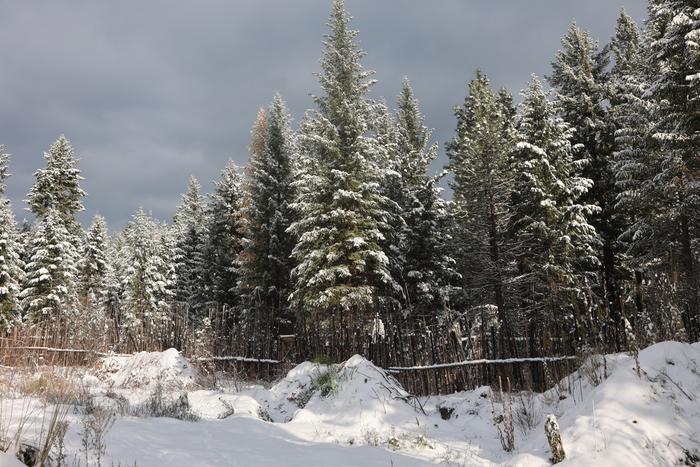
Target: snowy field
<point>353,414</point>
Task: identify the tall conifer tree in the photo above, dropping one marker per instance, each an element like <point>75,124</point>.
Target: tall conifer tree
<point>342,213</point>
<point>223,243</point>
<point>480,161</point>
<point>11,272</point>
<point>550,225</point>
<point>266,263</point>
<point>189,236</point>
<point>580,77</point>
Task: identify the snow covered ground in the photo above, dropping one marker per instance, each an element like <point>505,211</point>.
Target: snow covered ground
<point>354,414</point>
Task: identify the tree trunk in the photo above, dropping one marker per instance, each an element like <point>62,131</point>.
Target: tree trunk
<point>689,280</point>
<point>612,292</point>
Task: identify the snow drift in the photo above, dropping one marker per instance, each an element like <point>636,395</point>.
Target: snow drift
<point>147,369</point>
<point>649,420</point>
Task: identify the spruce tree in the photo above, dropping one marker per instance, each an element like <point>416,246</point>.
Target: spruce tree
<point>148,279</point>
<point>117,255</point>
<point>482,183</point>
<point>673,223</point>
<point>223,242</point>
<point>265,261</point>
<point>93,261</point>
<point>392,188</point>
<point>341,211</point>
<point>11,272</point>
<point>413,139</point>
<point>48,293</point>
<point>429,271</point>
<point>189,236</point>
<point>55,198</point>
<point>630,113</point>
<point>634,163</point>
<point>580,77</point>
<point>57,186</point>
<point>549,223</point>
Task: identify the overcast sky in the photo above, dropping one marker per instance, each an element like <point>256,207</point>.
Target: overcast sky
<point>150,92</point>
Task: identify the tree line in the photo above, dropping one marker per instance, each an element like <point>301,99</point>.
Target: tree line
<point>574,213</point>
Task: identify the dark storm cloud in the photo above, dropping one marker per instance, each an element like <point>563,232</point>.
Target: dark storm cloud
<point>151,92</point>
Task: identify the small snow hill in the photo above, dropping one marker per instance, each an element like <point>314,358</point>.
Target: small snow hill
<point>145,370</point>
<point>647,420</point>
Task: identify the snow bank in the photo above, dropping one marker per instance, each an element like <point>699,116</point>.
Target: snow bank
<point>218,405</point>
<point>627,420</point>
<point>147,369</point>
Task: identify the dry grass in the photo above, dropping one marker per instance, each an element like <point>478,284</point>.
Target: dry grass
<point>33,411</point>
<point>51,388</point>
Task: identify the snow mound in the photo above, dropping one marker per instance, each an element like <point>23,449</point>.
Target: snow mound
<point>360,380</point>
<point>313,390</point>
<point>147,369</point>
<point>650,420</point>
<point>216,405</point>
<point>360,397</point>
<point>285,397</point>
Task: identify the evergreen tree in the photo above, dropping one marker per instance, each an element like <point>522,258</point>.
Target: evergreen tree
<point>428,269</point>
<point>413,140</point>
<point>51,268</point>
<point>634,165</point>
<point>392,188</point>
<point>190,235</point>
<point>10,262</point>
<point>49,293</point>
<point>93,262</point>
<point>549,224</point>
<point>117,255</point>
<point>630,113</point>
<point>148,279</point>
<point>223,243</point>
<point>483,179</point>
<point>580,78</point>
<point>672,224</point>
<point>265,261</point>
<point>341,211</point>
<point>57,187</point>
<point>24,234</point>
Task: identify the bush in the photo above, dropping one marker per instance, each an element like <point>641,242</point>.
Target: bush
<point>163,405</point>
<point>322,360</point>
<point>326,383</point>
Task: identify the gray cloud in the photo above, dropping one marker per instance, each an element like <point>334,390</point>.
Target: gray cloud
<point>151,92</point>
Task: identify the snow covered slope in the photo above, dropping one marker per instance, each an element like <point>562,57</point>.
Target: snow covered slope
<point>626,420</point>
<point>354,414</point>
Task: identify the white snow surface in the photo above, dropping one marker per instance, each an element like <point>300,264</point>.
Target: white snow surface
<point>8,460</point>
<point>367,419</point>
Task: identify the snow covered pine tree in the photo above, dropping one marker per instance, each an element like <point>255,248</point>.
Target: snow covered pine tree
<point>342,270</point>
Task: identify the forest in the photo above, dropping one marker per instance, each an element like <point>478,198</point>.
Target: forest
<point>571,222</point>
